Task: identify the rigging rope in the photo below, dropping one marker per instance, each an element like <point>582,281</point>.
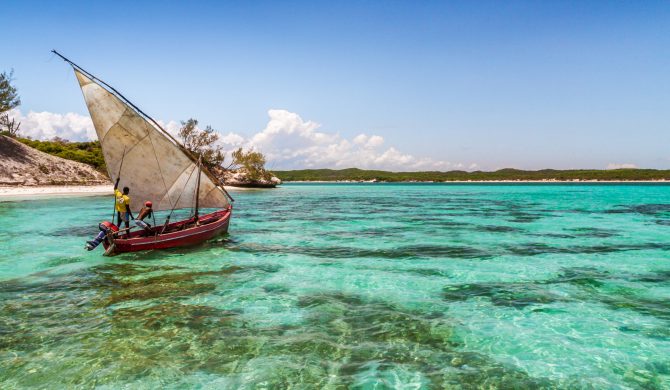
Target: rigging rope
<point>118,177</point>
<point>177,202</point>
<point>112,90</point>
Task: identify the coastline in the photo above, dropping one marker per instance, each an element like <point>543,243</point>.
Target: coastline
<point>23,192</point>
<point>661,181</point>
<point>31,192</point>
<point>56,190</point>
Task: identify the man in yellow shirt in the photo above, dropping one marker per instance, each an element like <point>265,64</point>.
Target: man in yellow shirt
<point>123,206</point>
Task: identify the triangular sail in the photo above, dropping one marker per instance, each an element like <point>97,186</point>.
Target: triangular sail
<point>154,167</point>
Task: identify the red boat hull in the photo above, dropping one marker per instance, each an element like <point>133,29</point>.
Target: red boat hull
<point>176,234</point>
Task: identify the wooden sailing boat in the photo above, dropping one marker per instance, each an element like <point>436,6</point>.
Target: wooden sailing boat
<point>156,168</point>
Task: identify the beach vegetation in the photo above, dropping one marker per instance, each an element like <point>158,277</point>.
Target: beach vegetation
<point>9,100</point>
<point>205,143</point>
<point>355,174</point>
<point>84,152</point>
<point>252,162</point>
<point>202,143</point>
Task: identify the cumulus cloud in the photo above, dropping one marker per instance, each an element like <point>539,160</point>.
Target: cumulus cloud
<point>47,125</point>
<point>232,139</point>
<point>288,141</point>
<point>171,127</point>
<point>621,166</point>
<point>228,140</point>
<point>368,142</point>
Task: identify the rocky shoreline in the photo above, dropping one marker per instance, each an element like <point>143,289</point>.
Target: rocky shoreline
<point>239,178</point>
<point>21,165</point>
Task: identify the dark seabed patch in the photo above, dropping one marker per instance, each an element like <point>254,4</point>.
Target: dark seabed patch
<point>552,235</point>
<point>499,229</point>
<point>343,252</point>
<point>581,276</point>
<point>606,288</point>
<point>427,272</point>
<point>57,261</point>
<point>76,231</point>
<point>523,217</point>
<point>594,286</point>
<point>652,209</point>
<point>517,295</point>
<point>660,276</point>
<point>593,232</point>
<point>390,232</point>
<point>536,248</point>
<point>658,333</point>
<point>342,336</point>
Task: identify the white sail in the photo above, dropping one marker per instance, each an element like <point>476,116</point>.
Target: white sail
<point>154,167</point>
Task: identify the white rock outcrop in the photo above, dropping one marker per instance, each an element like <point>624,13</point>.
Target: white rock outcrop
<point>240,178</point>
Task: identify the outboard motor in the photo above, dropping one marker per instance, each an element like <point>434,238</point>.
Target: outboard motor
<point>105,228</point>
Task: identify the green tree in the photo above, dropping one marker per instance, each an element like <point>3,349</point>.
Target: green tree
<point>202,143</point>
<point>253,163</point>
<point>9,99</point>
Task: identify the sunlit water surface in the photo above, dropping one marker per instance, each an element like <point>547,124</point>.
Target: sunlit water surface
<point>350,286</point>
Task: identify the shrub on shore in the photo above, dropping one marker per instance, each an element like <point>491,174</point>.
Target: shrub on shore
<point>85,152</point>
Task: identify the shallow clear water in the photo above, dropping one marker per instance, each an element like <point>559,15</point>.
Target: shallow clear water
<point>350,286</point>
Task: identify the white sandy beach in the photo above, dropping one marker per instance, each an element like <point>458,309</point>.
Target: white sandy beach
<point>55,190</point>
<point>23,192</point>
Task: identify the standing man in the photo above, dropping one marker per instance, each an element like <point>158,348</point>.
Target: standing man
<point>123,206</point>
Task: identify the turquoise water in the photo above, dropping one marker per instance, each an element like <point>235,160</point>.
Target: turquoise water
<point>350,286</point>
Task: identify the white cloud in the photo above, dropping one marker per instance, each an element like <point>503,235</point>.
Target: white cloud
<point>47,125</point>
<point>171,127</point>
<point>288,141</point>
<point>368,142</point>
<point>228,140</point>
<point>621,166</point>
<point>232,139</point>
<point>360,139</point>
<point>375,141</point>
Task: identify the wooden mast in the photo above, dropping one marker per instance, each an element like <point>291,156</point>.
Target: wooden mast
<point>197,188</point>
<point>111,89</point>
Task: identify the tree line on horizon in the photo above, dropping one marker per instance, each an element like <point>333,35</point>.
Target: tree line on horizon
<point>90,153</point>
<point>507,174</point>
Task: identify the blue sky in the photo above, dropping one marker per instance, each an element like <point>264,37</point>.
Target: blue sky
<point>444,85</point>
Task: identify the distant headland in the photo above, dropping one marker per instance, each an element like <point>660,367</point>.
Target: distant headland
<point>25,162</point>
<point>502,175</point>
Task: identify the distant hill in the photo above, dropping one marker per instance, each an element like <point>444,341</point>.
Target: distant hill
<point>23,165</point>
<point>355,174</point>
